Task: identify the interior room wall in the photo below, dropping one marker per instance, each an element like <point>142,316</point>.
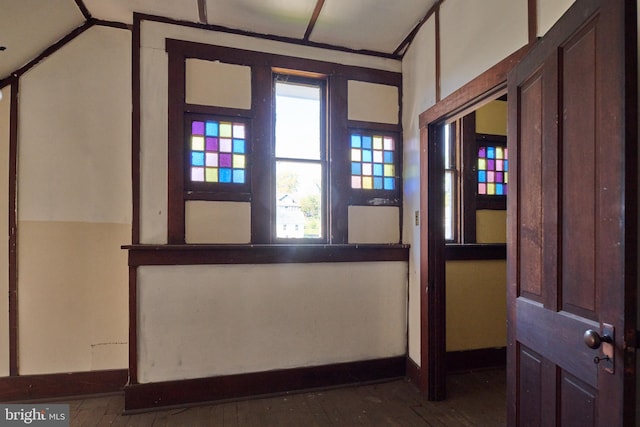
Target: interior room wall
<point>202,321</point>
<point>5,117</point>
<point>473,37</point>
<point>74,206</point>
<point>250,318</point>
<point>419,93</point>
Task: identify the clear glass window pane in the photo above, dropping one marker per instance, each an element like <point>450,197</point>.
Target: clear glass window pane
<point>298,121</point>
<point>449,208</point>
<point>298,200</point>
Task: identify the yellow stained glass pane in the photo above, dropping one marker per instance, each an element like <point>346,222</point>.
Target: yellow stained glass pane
<point>356,155</point>
<point>238,161</point>
<point>197,143</point>
<point>506,177</point>
<point>212,174</point>
<point>367,183</point>
<point>482,164</point>
<point>499,153</point>
<point>225,129</point>
<point>389,170</point>
<point>491,189</point>
<point>377,143</point>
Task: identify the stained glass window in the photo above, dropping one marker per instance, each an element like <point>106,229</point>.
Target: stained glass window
<point>373,162</point>
<point>217,150</point>
<point>493,170</point>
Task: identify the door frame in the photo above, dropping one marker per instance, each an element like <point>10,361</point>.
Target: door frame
<point>431,377</point>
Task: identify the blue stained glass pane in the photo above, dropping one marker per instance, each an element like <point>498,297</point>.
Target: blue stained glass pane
<point>238,145</point>
<point>499,190</point>
<point>212,129</point>
<point>356,168</point>
<point>197,158</point>
<point>482,176</point>
<point>491,152</point>
<point>388,156</point>
<point>225,175</point>
<point>377,169</point>
<point>367,156</point>
<point>389,183</point>
<point>366,142</point>
<point>238,176</point>
<point>356,141</point>
<point>377,183</point>
<point>506,165</point>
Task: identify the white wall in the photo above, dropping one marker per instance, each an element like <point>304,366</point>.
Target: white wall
<point>74,206</point>
<point>227,319</point>
<point>419,93</point>
<point>476,35</point>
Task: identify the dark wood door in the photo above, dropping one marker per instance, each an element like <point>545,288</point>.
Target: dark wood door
<point>572,221</point>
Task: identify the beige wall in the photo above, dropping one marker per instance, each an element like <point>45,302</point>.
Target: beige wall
<point>4,220</point>
<point>476,304</point>
<point>228,319</point>
<point>74,206</point>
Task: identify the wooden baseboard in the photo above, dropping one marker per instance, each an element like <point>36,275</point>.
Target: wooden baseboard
<point>414,373</point>
<point>469,360</point>
<point>54,386</point>
<point>140,397</point>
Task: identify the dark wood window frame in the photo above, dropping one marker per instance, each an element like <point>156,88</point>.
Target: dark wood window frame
<point>259,121</point>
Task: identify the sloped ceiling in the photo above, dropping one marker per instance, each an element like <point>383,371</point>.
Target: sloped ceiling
<point>29,27</point>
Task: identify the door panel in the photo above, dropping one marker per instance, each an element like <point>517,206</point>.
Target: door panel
<point>571,209</point>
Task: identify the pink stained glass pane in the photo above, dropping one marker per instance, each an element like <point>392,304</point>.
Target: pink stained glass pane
<point>356,182</point>
<point>197,174</point>
<point>482,188</point>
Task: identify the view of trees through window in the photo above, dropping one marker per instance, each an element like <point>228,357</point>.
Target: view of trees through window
<point>299,158</point>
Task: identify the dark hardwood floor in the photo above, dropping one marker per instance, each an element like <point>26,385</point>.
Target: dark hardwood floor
<point>474,399</point>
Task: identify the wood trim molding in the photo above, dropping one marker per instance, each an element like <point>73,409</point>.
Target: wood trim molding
<point>140,397</point>
<point>50,386</point>
<point>13,227</point>
<point>492,80</point>
<point>532,15</point>
<point>471,360</point>
<point>476,252</point>
<point>489,84</point>
<point>262,254</point>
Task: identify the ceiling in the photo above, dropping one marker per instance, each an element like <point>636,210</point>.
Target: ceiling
<point>29,27</point>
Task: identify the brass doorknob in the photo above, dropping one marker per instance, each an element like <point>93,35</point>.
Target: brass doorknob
<point>593,339</point>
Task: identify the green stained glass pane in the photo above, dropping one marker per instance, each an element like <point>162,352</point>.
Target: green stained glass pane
<point>389,170</point>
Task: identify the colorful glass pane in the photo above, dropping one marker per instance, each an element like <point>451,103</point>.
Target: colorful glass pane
<point>372,162</point>
<point>493,167</point>
<point>218,151</point>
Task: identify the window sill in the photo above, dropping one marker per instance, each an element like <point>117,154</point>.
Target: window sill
<point>263,254</point>
<point>475,251</point>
